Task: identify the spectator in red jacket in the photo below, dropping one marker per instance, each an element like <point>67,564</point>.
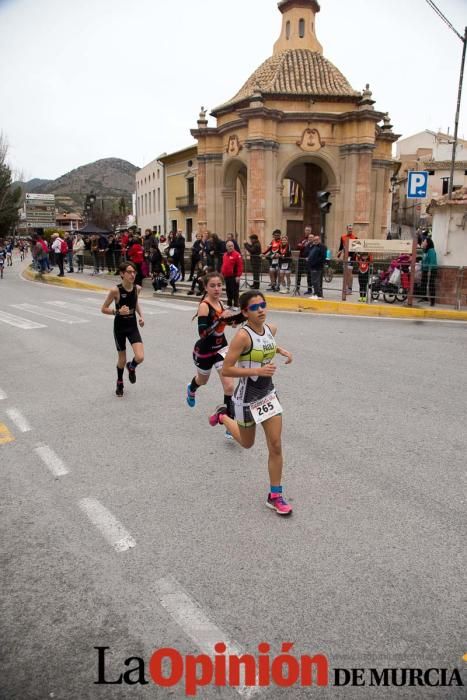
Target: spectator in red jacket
<point>135,255</point>
<point>124,236</point>
<point>232,269</point>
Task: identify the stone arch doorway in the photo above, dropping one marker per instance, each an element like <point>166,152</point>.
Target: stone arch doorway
<point>301,180</point>
<point>234,195</point>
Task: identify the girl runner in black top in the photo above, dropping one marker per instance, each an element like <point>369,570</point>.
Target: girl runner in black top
<point>210,349</point>
<point>126,299</point>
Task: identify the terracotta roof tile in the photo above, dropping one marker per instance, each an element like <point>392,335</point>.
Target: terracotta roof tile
<point>458,197</point>
<point>296,72</point>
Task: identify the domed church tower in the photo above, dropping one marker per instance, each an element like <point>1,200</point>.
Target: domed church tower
<point>296,127</point>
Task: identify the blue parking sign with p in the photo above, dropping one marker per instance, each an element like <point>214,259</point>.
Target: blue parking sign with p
<point>417,184</point>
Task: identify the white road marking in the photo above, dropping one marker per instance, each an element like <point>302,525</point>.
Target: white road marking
<point>19,322</point>
<point>195,623</point>
<point>113,531</point>
<point>2,395</point>
<point>95,311</point>
<point>18,419</point>
<point>49,313</point>
<point>166,305</point>
<point>146,312</point>
<point>51,460</point>
<point>75,307</point>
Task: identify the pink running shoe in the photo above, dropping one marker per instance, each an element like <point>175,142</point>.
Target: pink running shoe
<point>220,411</point>
<point>279,505</point>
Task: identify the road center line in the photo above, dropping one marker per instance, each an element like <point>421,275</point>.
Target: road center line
<point>51,460</point>
<point>18,419</point>
<point>113,531</point>
<point>194,622</point>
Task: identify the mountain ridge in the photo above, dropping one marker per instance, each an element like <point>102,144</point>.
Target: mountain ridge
<point>108,178</point>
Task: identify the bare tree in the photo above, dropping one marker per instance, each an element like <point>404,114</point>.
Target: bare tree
<point>9,196</point>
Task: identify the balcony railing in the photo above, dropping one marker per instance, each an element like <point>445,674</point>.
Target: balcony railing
<point>189,202</point>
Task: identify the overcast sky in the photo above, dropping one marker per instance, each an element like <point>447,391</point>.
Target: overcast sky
<point>87,79</point>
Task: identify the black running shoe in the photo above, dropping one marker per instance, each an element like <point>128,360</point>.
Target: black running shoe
<point>119,389</point>
<point>131,373</point>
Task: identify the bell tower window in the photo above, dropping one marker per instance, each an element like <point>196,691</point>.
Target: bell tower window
<point>301,28</point>
<point>287,31</point>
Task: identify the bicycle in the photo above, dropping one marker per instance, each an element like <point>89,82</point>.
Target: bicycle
<point>328,273</point>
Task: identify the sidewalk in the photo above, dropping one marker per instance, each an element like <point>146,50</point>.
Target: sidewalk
<point>331,304</point>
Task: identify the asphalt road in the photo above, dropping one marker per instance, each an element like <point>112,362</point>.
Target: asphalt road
<point>369,570</point>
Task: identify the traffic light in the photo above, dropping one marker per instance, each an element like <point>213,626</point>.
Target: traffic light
<point>323,201</point>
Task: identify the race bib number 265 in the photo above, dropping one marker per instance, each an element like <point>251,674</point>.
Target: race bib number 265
<point>265,408</point>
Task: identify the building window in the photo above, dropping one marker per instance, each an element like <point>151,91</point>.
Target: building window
<point>146,203</point>
<point>191,190</point>
<point>174,226</point>
<point>189,230</point>
<point>287,30</point>
<point>158,199</point>
<point>301,28</point>
<point>154,201</point>
<point>431,172</point>
<point>158,174</point>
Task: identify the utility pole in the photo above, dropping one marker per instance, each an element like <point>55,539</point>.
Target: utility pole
<point>459,95</point>
<point>456,126</point>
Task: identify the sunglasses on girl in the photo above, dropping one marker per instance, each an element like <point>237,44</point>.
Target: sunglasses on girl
<point>257,307</point>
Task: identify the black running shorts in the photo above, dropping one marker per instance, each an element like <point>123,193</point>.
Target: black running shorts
<point>204,362</point>
<point>122,334</point>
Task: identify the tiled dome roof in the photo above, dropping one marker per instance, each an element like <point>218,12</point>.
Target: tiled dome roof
<point>296,72</point>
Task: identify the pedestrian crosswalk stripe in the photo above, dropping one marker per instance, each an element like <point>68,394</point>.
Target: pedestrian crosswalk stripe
<point>95,311</point>
<point>167,305</point>
<point>2,395</point>
<point>19,322</point>
<point>49,313</point>
<point>75,308</point>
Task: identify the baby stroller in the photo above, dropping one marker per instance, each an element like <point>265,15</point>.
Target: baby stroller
<point>393,283</point>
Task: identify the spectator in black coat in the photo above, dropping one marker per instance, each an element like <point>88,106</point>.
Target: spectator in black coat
<point>315,262</point>
<point>254,249</point>
<point>197,253</point>
<point>179,257</point>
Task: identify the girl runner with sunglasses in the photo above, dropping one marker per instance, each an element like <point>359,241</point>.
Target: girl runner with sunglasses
<point>250,358</point>
<point>210,349</point>
<point>126,298</point>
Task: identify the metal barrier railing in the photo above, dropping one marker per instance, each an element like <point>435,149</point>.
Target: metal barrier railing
<point>445,285</point>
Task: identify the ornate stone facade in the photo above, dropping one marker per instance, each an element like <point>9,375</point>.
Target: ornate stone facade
<point>296,126</point>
